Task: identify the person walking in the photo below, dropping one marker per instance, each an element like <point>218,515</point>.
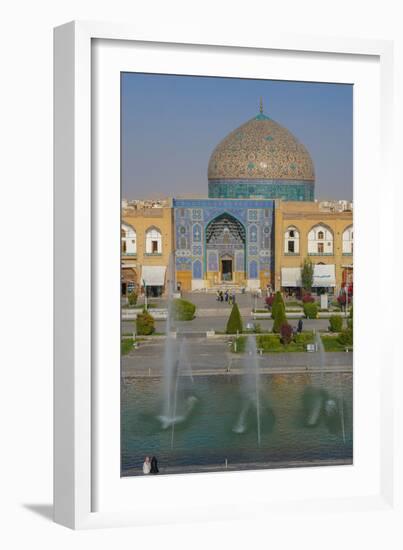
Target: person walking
<point>221,296</point>
<point>233,296</point>
<point>299,326</point>
<point>146,465</point>
<point>154,466</point>
<point>218,295</point>
<point>226,295</point>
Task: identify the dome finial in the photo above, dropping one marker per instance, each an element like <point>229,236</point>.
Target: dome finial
<point>261,105</point>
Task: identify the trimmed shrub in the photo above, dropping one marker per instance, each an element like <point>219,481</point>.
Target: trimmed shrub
<point>310,310</point>
<point>132,298</point>
<point>234,323</point>
<point>286,333</point>
<point>307,298</point>
<point>145,324</point>
<point>346,337</point>
<point>336,323</point>
<point>126,346</point>
<point>277,301</point>
<point>279,314</point>
<point>183,310</point>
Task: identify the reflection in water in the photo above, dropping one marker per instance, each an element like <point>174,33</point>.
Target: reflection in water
<point>301,419</point>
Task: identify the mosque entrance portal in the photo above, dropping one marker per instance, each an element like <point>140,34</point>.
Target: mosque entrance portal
<point>225,249</point>
<point>226,270</point>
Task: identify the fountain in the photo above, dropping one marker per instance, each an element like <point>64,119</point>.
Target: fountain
<point>313,395</point>
<point>250,388</point>
<point>176,364</point>
<point>317,402</point>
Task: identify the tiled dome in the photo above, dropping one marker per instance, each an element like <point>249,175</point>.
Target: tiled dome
<point>261,149</point>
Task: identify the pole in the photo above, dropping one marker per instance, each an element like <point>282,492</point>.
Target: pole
<point>145,295</point>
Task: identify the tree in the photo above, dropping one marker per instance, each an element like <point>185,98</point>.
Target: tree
<point>278,299</point>
<point>234,323</point>
<point>307,275</point>
<point>286,333</point>
<point>278,312</point>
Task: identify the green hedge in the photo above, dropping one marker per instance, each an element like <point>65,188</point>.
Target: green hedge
<point>271,343</point>
<point>145,324</point>
<point>304,338</point>
<point>336,323</point>
<point>183,310</point>
<point>310,310</point>
<point>234,323</point>
<point>332,343</point>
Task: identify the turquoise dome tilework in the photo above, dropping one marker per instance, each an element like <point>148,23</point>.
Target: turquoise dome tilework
<point>261,158</point>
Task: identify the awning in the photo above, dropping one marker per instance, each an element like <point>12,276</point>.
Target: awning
<point>153,275</point>
<point>291,276</point>
<point>323,275</point>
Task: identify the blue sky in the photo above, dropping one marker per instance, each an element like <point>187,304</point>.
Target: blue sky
<point>171,124</point>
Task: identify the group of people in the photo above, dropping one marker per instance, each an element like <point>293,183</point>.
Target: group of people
<point>150,466</point>
<point>226,296</point>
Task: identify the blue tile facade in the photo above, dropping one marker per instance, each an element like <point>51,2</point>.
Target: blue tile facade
<point>287,190</point>
<point>253,251</point>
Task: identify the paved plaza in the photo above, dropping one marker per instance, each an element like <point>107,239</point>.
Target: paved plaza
<point>212,356</point>
<point>213,315</point>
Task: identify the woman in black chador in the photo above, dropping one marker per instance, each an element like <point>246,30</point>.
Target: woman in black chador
<point>154,466</point>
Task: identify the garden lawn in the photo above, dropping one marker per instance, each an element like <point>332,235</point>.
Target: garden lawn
<point>270,343</point>
<point>331,343</point>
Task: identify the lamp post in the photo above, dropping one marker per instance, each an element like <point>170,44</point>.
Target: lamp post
<point>145,295</point>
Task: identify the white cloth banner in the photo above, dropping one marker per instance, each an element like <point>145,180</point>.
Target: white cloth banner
<point>323,275</point>
<point>153,275</point>
<point>291,276</point>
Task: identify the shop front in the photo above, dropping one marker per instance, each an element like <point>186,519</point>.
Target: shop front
<point>324,280</point>
<point>153,279</point>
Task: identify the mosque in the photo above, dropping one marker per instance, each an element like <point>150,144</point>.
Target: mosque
<point>259,222</point>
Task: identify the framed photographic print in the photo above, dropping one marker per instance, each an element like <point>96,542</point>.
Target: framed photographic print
<point>217,227</point>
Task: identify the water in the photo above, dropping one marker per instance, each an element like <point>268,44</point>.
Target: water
<point>250,389</point>
<point>333,405</point>
<point>210,406</point>
<point>176,404</point>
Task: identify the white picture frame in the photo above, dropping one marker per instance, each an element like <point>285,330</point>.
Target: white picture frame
<point>87,491</point>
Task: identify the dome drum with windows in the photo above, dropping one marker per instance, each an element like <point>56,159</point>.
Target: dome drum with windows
<point>261,159</point>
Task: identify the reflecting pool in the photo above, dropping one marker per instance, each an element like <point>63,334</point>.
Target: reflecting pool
<point>303,419</point>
